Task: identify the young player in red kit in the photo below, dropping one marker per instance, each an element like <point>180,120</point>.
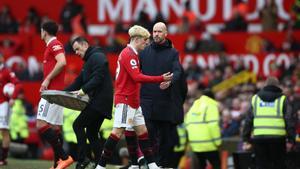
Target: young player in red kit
<point>50,116</point>
<point>6,76</point>
<point>128,113</point>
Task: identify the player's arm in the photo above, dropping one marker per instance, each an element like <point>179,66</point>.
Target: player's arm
<point>13,79</point>
<point>131,66</point>
<point>76,84</point>
<point>59,66</point>
<point>176,69</point>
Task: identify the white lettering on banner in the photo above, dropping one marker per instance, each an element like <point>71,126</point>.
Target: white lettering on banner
<point>255,14</point>
<point>227,8</point>
<point>106,6</point>
<point>167,5</point>
<point>147,6</point>
<point>281,12</point>
<point>211,9</point>
<point>249,61</point>
<point>267,61</point>
<point>280,59</point>
<point>128,10</point>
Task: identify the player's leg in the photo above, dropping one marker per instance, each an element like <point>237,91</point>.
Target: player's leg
<point>92,131</point>
<point>143,138</point>
<point>121,118</point>
<point>50,114</point>
<point>4,129</point>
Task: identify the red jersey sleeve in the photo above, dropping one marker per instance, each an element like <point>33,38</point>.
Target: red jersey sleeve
<point>56,49</point>
<point>13,79</point>
<point>131,65</point>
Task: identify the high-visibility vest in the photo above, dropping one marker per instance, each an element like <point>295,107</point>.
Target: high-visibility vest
<point>202,124</point>
<point>106,128</point>
<point>182,138</point>
<point>18,121</point>
<point>268,117</point>
<point>69,117</point>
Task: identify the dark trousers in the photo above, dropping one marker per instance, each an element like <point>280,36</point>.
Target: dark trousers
<point>86,126</point>
<point>176,158</point>
<point>213,157</point>
<point>160,133</point>
<point>270,153</point>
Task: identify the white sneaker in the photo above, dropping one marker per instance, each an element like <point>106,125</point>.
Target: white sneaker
<point>99,167</point>
<point>153,166</point>
<point>134,167</point>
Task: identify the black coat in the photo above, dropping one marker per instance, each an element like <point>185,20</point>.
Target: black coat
<point>269,94</point>
<point>156,60</point>
<point>95,80</point>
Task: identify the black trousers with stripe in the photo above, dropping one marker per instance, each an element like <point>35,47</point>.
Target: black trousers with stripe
<point>86,126</point>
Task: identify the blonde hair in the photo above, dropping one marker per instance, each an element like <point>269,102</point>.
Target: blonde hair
<point>138,31</point>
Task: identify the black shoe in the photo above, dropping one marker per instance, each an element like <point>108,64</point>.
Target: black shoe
<point>82,165</point>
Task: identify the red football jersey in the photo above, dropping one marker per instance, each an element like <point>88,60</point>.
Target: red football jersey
<point>54,47</point>
<point>129,77</point>
<point>6,76</point>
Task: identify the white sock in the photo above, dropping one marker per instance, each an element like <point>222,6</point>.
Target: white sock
<point>99,167</point>
<point>152,166</point>
<point>140,158</point>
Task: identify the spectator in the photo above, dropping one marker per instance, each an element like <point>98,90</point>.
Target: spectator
<point>268,16</point>
<point>34,69</point>
<point>209,44</point>
<point>230,126</point>
<point>290,43</point>
<point>296,12</point>
<point>8,24</point>
<point>70,9</point>
<point>78,22</point>
<point>191,44</point>
<point>32,22</point>
<point>143,20</point>
<point>236,23</point>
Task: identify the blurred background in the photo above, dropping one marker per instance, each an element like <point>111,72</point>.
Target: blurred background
<point>230,46</point>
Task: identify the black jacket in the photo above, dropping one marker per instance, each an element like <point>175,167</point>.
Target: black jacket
<point>269,94</point>
<point>157,59</point>
<point>95,80</point>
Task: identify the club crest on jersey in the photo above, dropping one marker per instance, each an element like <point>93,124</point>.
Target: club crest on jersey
<point>56,47</point>
<point>266,104</point>
<point>133,64</point>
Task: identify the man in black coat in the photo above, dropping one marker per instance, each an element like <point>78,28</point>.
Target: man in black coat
<point>159,106</point>
<point>270,126</point>
<point>95,81</point>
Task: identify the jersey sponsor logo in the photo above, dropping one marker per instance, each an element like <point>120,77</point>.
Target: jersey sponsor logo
<point>266,104</point>
<point>133,64</point>
<point>56,47</point>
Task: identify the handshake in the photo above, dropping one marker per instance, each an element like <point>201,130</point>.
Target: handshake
<point>167,81</point>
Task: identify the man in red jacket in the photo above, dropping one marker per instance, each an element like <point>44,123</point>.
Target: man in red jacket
<point>128,113</point>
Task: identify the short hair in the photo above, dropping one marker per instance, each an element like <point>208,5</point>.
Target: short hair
<point>138,31</point>
<point>272,81</point>
<point>209,93</point>
<point>51,27</point>
<point>79,39</point>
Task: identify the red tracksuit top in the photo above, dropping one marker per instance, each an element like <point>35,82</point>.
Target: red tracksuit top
<point>129,77</point>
